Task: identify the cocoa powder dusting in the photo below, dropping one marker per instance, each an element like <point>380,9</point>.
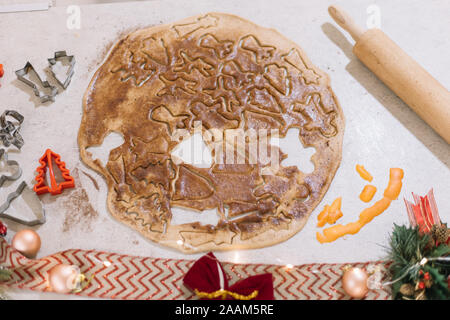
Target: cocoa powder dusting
<point>78,210</point>
<point>107,48</point>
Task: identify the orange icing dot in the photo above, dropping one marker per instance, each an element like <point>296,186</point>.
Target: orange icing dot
<point>367,193</point>
<point>364,173</point>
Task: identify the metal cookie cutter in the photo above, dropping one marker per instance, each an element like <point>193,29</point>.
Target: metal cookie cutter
<point>45,84</point>
<point>9,133</point>
<point>11,197</point>
<point>15,138</point>
<point>62,55</point>
<point>16,175</point>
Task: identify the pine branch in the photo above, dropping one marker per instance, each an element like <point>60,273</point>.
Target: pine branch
<point>407,249</point>
<point>440,251</point>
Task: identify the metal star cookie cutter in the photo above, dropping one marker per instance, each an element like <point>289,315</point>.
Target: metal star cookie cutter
<point>9,133</point>
<point>11,197</point>
<point>16,175</point>
<point>45,84</point>
<point>60,55</point>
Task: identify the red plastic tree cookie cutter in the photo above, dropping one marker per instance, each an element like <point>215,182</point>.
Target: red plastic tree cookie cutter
<point>55,188</point>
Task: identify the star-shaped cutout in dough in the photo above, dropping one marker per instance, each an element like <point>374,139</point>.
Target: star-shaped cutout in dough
<point>171,86</point>
<point>188,64</point>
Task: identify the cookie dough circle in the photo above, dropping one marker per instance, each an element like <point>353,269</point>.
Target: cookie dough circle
<point>227,73</point>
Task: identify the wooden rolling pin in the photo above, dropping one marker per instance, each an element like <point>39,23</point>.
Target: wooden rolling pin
<point>412,83</point>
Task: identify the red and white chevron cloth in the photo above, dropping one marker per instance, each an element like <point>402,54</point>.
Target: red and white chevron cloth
<point>118,276</point>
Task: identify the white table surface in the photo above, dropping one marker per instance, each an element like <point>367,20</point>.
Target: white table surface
<point>381,131</point>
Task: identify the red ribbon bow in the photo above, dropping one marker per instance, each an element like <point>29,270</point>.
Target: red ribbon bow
<point>423,213</point>
<point>208,276</point>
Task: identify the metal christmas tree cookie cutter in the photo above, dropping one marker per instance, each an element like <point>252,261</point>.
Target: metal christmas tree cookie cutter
<point>15,194</point>
<point>22,73</point>
<point>18,192</point>
<point>59,56</point>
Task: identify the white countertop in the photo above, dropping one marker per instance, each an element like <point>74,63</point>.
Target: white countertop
<point>381,131</point>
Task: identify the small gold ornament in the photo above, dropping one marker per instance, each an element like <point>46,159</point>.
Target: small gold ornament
<point>407,289</point>
<point>354,282</point>
<point>346,267</point>
<point>433,230</point>
<point>27,242</point>
<point>442,234</point>
<point>65,278</point>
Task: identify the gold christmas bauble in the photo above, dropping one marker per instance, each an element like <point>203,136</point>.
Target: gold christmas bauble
<point>27,242</point>
<point>63,278</point>
<point>354,282</point>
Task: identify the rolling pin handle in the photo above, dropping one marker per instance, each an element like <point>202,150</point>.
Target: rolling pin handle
<point>346,22</point>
